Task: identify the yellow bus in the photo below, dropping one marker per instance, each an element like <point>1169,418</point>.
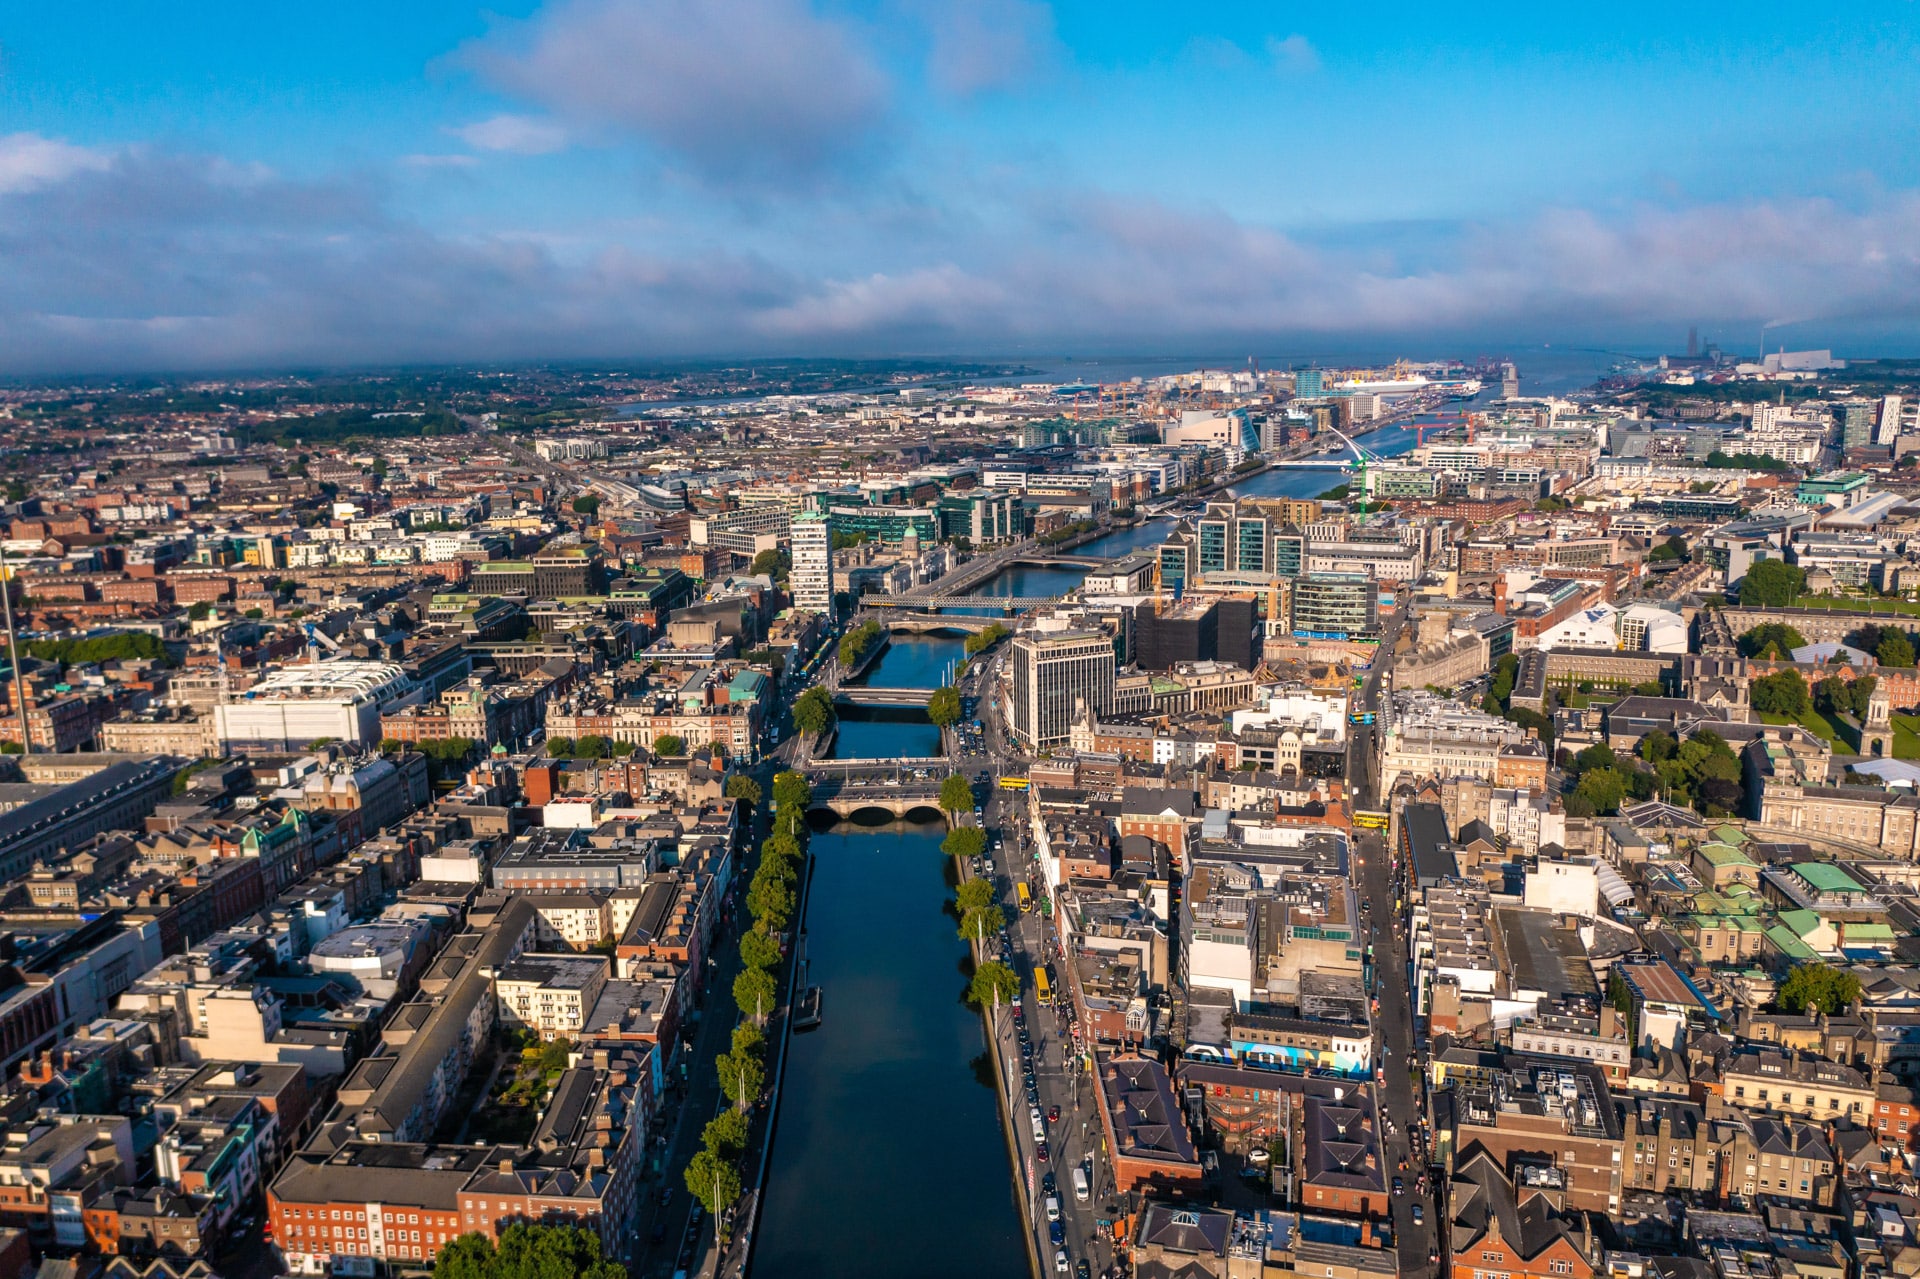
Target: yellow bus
<point>1026,897</point>
<point>1041,991</point>
<point>1369,820</point>
<point>1013,783</point>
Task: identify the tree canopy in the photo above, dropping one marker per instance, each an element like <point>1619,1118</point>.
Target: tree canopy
<point>754,993</point>
<point>993,984</point>
<point>813,711</point>
<point>964,841</point>
<point>713,1180</point>
<point>1781,693</point>
<point>956,794</point>
<point>527,1251</point>
<point>1772,584</point>
<point>790,791</point>
<point>740,786</point>
<point>669,744</point>
<point>758,949</point>
<point>943,707</point>
<point>120,646</point>
<point>985,640</point>
<point>1817,987</point>
<point>1772,639</point>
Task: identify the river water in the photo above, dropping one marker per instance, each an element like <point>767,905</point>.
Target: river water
<point>911,661</point>
<point>889,1158</point>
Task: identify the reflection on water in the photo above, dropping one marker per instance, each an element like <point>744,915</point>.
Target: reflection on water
<point>890,1157</point>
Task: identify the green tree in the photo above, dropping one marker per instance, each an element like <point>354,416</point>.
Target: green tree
<point>813,711</point>
<point>943,707</point>
<point>1598,755</point>
<point>1772,639</point>
<point>391,746</point>
<point>1781,693</point>
<point>586,504</point>
<point>758,950</point>
<point>982,922</point>
<point>984,640</point>
<point>527,1251</point>
<point>791,792</point>
<point>956,794</point>
<point>726,1134</point>
<point>973,894</point>
<point>771,904</point>
<point>754,994</point>
<point>713,1181</point>
<point>781,845</point>
<point>669,744</point>
<point>200,611</point>
<point>741,1077</point>
<point>1817,987</point>
<point>964,841</point>
<point>741,786</point>
<point>770,563</point>
<point>993,984</point>
<point>1771,584</point>
<point>1658,745</point>
<point>592,746</point>
<point>1603,788</point>
<point>1833,696</point>
<point>748,1039</point>
<point>560,747</point>
<point>1896,650</point>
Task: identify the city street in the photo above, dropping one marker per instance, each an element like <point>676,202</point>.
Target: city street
<point>1379,889</point>
<point>1075,1139</point>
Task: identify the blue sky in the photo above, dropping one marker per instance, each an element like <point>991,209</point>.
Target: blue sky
<point>225,185</point>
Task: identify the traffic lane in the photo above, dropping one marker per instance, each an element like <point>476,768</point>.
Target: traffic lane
<point>1073,1138</point>
<point>1396,1025</point>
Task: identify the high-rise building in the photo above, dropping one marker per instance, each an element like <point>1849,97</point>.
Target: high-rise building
<point>811,577</point>
<point>1307,384</point>
<point>1055,674</point>
<point>1335,604</point>
<point>1888,428</point>
<point>1856,422</point>
<point>1232,539</point>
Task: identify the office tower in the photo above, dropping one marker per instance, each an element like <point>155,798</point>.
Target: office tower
<point>811,577</point>
<point>1335,604</point>
<point>1307,384</point>
<point>1054,673</point>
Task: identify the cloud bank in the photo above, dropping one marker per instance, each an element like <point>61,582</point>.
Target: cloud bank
<point>142,258</point>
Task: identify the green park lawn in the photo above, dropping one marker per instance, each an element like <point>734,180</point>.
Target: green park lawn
<point>1906,736</point>
<point>1820,726</point>
<point>1845,605</point>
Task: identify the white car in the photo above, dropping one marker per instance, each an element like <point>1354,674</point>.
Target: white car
<point>1060,1261</point>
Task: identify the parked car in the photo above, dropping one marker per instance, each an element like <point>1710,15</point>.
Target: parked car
<point>1060,1261</point>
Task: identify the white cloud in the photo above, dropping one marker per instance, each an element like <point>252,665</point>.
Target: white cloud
<point>520,134</point>
<point>29,161</point>
<point>150,259</point>
<point>738,92</point>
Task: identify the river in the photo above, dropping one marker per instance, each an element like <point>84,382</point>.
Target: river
<point>872,732</point>
<point>889,1158</point>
